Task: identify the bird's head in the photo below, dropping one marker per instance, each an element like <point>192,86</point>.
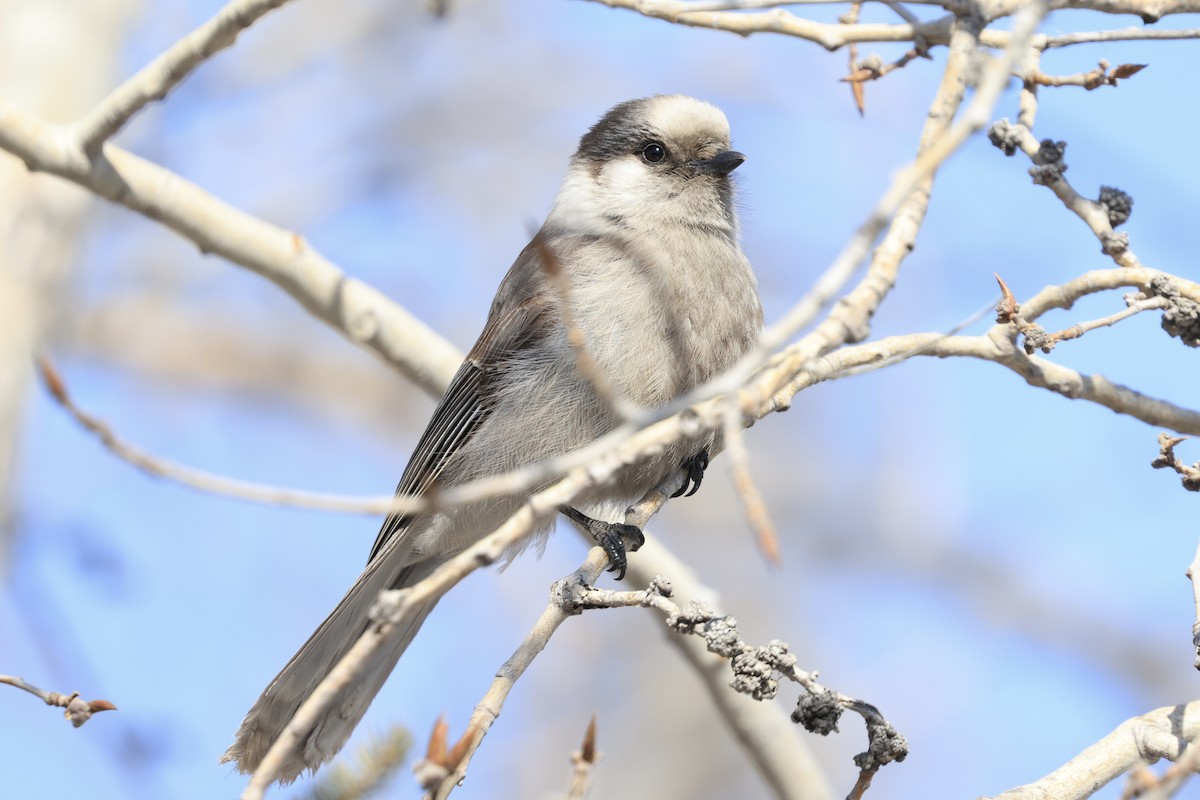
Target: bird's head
<point>655,161</point>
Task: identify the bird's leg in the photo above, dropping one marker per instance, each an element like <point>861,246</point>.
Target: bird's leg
<point>612,536</point>
<point>695,467</point>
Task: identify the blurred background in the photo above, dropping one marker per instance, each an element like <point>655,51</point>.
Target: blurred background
<point>996,567</point>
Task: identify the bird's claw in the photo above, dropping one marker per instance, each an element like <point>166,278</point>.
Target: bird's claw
<point>615,538</point>
<point>695,467</point>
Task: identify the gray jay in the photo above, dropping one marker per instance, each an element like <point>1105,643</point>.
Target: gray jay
<point>644,233</point>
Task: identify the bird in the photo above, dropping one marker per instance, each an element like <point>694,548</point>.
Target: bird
<point>640,255</point>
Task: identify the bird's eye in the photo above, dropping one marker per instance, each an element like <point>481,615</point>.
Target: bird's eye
<point>654,152</point>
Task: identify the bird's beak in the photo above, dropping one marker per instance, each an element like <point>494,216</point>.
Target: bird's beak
<point>722,163</point>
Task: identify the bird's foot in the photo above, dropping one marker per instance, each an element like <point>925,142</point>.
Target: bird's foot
<point>695,467</point>
<point>615,538</point>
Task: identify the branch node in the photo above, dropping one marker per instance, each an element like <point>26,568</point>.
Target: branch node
<point>1114,243</point>
<point>887,745</point>
<point>568,593</point>
<point>1036,338</point>
<point>1004,135</point>
<point>1181,317</point>
<point>819,712</point>
<point>1051,152</point>
<point>1116,203</point>
<point>1189,474</point>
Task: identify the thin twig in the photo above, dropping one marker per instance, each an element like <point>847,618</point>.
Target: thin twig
<point>219,484</point>
<point>856,87</point>
<point>1049,42</point>
<point>753,504</point>
<point>1036,337</point>
<point>779,21</point>
<point>1190,473</point>
<point>1049,166</point>
<point>1027,103</point>
<point>488,709</point>
<point>1102,75</point>
<point>167,71</point>
<point>77,710</point>
<point>582,762</point>
<point>1193,575</point>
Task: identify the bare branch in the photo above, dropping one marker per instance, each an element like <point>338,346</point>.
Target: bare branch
<point>1190,473</point>
<point>1048,169</point>
<point>856,87</point>
<point>1193,570</point>
<point>488,709</point>
<point>360,312</point>
<point>220,484</point>
<point>78,710</point>
<point>1036,337</point>
<point>831,37</point>
<point>754,670</point>
<point>1162,733</point>
<point>1102,75</point>
<point>998,346</point>
<point>753,503</point>
<point>726,16</point>
<point>1121,35</point>
<point>582,761</point>
<point>167,71</point>
<point>1174,777</point>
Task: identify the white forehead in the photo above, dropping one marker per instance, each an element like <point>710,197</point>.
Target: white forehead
<point>680,116</point>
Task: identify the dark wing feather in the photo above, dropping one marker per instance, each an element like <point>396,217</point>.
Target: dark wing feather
<point>513,324</point>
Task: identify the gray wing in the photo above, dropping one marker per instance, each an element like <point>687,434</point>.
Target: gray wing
<point>516,321</point>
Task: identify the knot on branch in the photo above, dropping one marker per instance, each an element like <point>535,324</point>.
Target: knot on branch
<point>1189,475</point>
<point>1036,338</point>
<point>1049,165</point>
<point>1113,243</point>
<point>1004,135</point>
<point>660,586</point>
<point>721,637</point>
<point>886,745</point>
<point>569,594</point>
<point>818,712</point>
<point>1181,318</point>
<point>1046,174</point>
<point>1116,203</point>
<point>754,669</point>
<point>1051,152</point>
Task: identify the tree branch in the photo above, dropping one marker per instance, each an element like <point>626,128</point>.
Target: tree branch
<point>360,312</point>
<point>77,711</point>
<point>439,784</point>
<point>829,36</point>
<point>220,484</point>
<point>1101,216</point>
<point>1162,733</point>
<point>167,71</point>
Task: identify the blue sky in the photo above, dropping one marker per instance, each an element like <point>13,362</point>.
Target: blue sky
<point>996,567</point>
